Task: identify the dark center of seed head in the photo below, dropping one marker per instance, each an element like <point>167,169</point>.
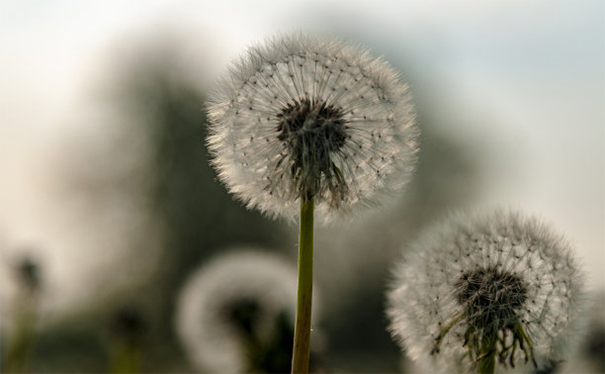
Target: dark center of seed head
<point>490,297</point>
<point>311,130</point>
<point>243,314</point>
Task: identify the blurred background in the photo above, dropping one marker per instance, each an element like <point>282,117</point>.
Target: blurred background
<point>108,205</point>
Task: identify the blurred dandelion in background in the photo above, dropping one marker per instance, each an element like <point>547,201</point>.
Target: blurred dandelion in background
<point>236,313</point>
<point>484,288</point>
<point>23,315</point>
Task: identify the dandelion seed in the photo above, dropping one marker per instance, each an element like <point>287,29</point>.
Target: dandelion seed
<point>314,118</point>
<point>232,306</point>
<point>510,292</point>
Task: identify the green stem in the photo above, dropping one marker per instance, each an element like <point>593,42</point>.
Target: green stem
<point>126,358</point>
<point>302,327</point>
<point>20,343</point>
<point>487,359</point>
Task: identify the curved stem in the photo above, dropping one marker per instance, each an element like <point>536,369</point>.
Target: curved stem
<point>302,327</point>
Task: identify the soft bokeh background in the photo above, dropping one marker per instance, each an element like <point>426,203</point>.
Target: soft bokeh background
<point>105,184</point>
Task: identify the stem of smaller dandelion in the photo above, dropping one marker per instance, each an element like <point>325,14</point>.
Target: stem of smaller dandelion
<point>126,357</point>
<point>487,356</point>
<point>21,341</point>
<point>302,327</point>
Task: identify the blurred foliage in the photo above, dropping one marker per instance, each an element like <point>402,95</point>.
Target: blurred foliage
<point>200,219</point>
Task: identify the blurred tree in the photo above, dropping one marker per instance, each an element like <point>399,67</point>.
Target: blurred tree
<point>163,102</point>
<point>199,217</point>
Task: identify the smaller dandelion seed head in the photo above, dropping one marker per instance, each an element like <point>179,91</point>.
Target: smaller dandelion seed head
<point>243,313</point>
<point>496,282</point>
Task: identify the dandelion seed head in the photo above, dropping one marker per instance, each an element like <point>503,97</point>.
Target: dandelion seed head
<point>237,295</point>
<point>478,276</point>
<point>302,117</point>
